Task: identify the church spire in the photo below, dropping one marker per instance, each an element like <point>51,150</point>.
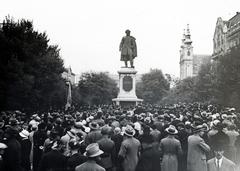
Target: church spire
<point>184,35</point>
<point>188,36</point>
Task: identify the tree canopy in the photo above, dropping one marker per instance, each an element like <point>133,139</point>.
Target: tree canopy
<point>153,86</point>
<point>30,68</point>
<point>96,88</point>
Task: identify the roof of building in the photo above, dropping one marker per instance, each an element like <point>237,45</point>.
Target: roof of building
<point>234,20</point>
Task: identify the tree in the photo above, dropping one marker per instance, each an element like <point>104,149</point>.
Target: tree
<point>205,85</point>
<point>228,78</point>
<point>30,68</point>
<point>153,86</point>
<point>184,92</point>
<point>96,88</point>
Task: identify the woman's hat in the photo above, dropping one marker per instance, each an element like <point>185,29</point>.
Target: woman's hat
<point>94,125</point>
<point>129,131</point>
<point>24,133</point>
<point>171,130</point>
<point>93,150</point>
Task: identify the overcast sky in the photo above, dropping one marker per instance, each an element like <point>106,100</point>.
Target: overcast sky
<point>89,31</point>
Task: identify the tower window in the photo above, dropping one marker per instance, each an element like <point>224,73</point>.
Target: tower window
<point>188,52</point>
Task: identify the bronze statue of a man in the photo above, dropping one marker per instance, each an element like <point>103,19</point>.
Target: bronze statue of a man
<point>128,48</point>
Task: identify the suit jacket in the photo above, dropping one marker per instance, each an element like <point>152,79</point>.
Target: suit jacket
<point>227,165</point>
<point>196,158</point>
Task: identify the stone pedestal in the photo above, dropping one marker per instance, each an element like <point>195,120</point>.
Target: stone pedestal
<point>127,88</point>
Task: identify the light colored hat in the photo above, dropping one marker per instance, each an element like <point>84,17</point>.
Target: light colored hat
<point>24,133</point>
<point>3,146</point>
<point>93,150</point>
<point>137,126</point>
<point>224,116</point>
<point>117,130</point>
<point>94,125</point>
<point>78,124</point>
<point>215,122</point>
<point>84,122</point>
<point>87,129</point>
<point>171,130</point>
<point>129,131</point>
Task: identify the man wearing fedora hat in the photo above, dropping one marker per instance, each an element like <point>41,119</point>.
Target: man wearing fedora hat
<point>197,150</point>
<point>93,153</point>
<point>94,135</point>
<point>129,150</point>
<point>171,149</point>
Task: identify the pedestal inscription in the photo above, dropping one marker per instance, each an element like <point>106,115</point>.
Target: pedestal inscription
<point>127,83</point>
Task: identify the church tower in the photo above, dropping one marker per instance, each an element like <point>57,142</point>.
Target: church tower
<point>186,55</point>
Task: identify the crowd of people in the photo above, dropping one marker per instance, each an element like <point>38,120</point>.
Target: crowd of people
<point>180,137</point>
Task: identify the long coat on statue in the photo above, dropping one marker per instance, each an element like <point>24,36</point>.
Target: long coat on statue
<point>128,48</point>
<point>197,150</point>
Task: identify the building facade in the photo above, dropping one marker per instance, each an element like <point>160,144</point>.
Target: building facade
<point>190,63</point>
<point>226,36</point>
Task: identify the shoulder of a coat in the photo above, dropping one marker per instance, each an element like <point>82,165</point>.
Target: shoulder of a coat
<point>133,37</point>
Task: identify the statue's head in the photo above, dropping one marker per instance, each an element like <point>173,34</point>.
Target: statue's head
<point>128,32</point>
